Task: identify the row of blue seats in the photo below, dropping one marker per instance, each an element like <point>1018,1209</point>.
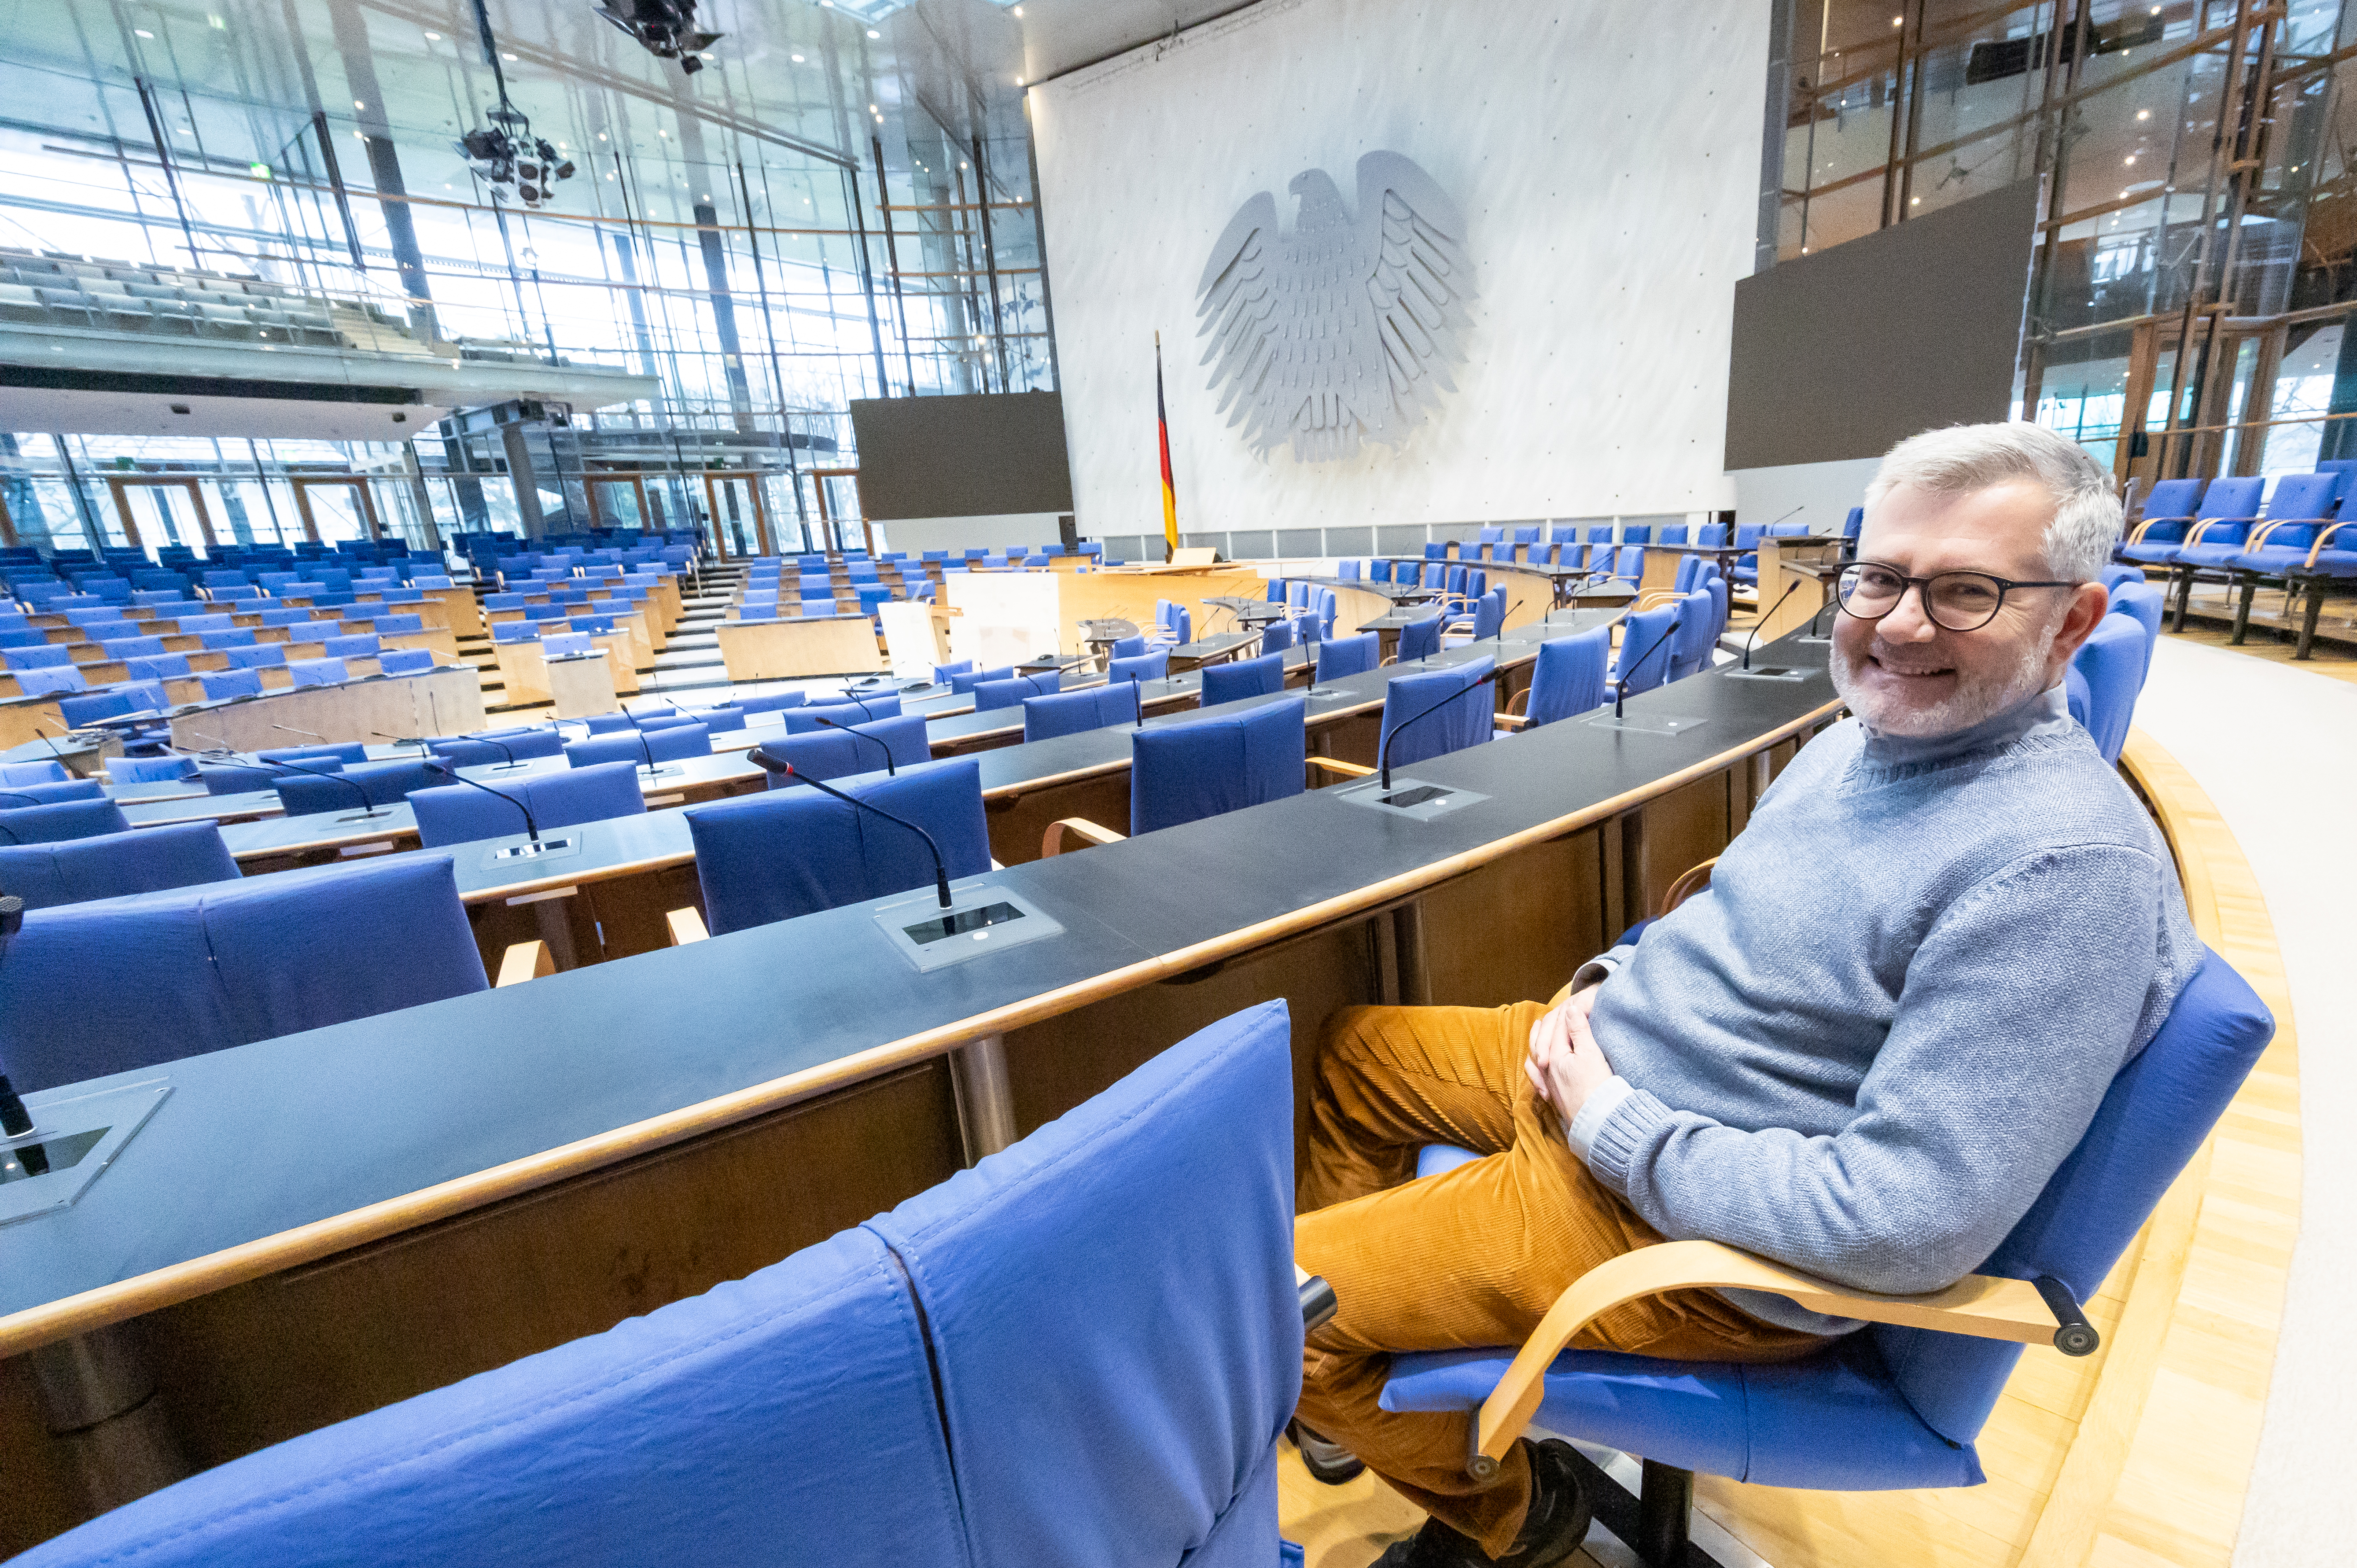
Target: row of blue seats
<point>2218,530</point>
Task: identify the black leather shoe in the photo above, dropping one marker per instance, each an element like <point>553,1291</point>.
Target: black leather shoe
<point>1325,1459</point>
<point>1551,1530</point>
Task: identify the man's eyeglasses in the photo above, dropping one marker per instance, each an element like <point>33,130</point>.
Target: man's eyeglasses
<point>1956,601</point>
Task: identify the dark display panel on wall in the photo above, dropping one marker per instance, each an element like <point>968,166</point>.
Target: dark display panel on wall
<point>984,456</point>
<point>1842,355</point>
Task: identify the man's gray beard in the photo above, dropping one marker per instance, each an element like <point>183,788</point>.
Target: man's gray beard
<point>1970,704</point>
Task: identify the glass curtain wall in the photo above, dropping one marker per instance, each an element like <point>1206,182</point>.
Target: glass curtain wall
<point>2193,272</point>
<point>817,214</point>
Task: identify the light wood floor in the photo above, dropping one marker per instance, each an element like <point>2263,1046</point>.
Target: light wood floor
<point>2137,1457</point>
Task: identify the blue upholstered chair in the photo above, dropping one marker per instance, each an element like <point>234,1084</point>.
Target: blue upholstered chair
<point>1567,681</point>
<point>866,709</point>
<point>113,703</point>
<point>337,752</point>
<point>875,1354</point>
<point>113,865</point>
<point>1152,666</point>
<point>404,661</point>
<point>1645,659</point>
<point>15,774</point>
<point>1348,656</point>
<point>225,685</point>
<point>37,656</point>
<point>384,784</point>
<point>2230,509</point>
<point>460,813</point>
<point>659,746</point>
<point>1204,767</point>
<point>1697,629</point>
<point>48,680</point>
<point>1276,636</point>
<point>2299,522</point>
<point>57,822</point>
<point>130,647</point>
<point>1129,647</point>
<point>2142,603</point>
<point>1456,725</point>
<point>157,667</point>
<point>966,681</point>
<point>1889,1408</point>
<point>49,792</point>
<point>943,673</point>
<point>991,695</point>
<point>2111,664</point>
<point>318,671</point>
<point>266,656</point>
<point>121,983</point>
<point>824,754</point>
<point>1418,640</point>
<point>1069,713</point>
<point>122,770</point>
<point>1261,677</point>
<point>785,853</point>
<point>2170,511</point>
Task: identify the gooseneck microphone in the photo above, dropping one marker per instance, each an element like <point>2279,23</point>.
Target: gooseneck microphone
<point>438,764</point>
<point>1796,510</point>
<point>307,734</point>
<point>861,706</point>
<point>52,744</point>
<point>1763,621</point>
<point>646,751</point>
<point>860,734</point>
<point>1382,759</point>
<point>1620,696</point>
<point>418,741</point>
<point>761,759</point>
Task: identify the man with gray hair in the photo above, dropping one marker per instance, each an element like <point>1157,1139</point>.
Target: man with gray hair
<point>1861,1051</point>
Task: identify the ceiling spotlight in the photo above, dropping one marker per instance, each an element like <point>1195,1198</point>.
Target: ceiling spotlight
<point>664,29</point>
<point>798,60</point>
<point>505,154</point>
<point>873,34</point>
<point>142,32</point>
<point>433,38</point>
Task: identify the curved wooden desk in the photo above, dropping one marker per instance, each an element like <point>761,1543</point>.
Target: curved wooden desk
<point>316,1225</point>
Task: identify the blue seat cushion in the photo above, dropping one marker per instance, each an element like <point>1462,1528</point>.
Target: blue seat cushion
<point>2159,555</point>
<point>1830,1421</point>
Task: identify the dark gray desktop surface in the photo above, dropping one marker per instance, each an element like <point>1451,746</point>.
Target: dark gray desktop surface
<point>313,1126</point>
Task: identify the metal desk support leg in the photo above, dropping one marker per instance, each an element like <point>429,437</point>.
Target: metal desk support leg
<point>99,1402</point>
<point>985,1104</point>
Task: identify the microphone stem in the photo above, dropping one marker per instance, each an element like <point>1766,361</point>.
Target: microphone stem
<point>941,870</point>
<point>1382,759</point>
<point>1620,697</point>
<point>1764,619</point>
<point>451,773</point>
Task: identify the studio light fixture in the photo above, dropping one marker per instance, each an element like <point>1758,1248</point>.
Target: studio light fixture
<point>505,154</point>
<point>665,28</point>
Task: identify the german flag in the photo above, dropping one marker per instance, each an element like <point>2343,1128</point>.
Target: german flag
<point>1162,434</point>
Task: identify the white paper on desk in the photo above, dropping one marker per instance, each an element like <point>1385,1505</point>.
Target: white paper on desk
<point>768,718</point>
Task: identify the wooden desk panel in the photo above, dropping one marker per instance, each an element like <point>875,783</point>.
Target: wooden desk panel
<point>798,649</point>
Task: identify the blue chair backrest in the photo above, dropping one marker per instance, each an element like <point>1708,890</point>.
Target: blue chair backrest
<point>1568,679</point>
<point>1379,570</point>
<point>868,710</point>
<point>1854,523</point>
<point>1697,622</point>
<point>112,703</point>
<point>1468,721</point>
<point>1711,535</point>
<point>1641,639</point>
<point>318,671</point>
<point>1129,647</point>
<point>966,681</point>
<point>266,656</point>
<point>1181,772</point>
<point>221,685</point>
<point>460,813</point>
<point>474,751</point>
<point>34,657</point>
<point>1151,666</point>
<point>235,637</point>
<point>1261,677</point>
<point>2117,576</point>
<point>1069,713</point>
<point>2174,498</point>
<point>385,783</point>
<point>1419,639</point>
<point>2233,497</point>
<point>666,745</point>
<point>114,866</point>
<point>157,667</point>
<point>992,695</point>
<point>1084,1234</point>
<point>2156,1112</point>
<point>1342,656</point>
<point>1490,614</point>
<point>49,772</point>
<point>1276,636</point>
<point>785,853</point>
<point>129,983</point>
<point>2143,603</point>
<point>2112,662</point>
<point>49,793</point>
<point>824,754</point>
<point>336,752</point>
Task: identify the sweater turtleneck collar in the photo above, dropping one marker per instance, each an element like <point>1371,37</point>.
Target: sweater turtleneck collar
<point>2047,712</point>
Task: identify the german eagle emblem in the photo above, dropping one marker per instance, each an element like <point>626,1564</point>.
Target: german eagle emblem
<point>1341,332</point>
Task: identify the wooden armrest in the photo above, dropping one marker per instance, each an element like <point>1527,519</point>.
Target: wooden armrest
<point>2137,533</point>
<point>1978,1305</point>
<point>1087,832</point>
<point>1695,879</point>
<point>526,961</point>
<point>686,926</point>
<point>2323,539</point>
<point>1508,721</point>
<point>1520,702</point>
<point>1336,765</point>
<point>1652,597</point>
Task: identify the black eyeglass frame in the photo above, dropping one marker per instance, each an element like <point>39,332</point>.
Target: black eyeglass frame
<point>1922,590</point>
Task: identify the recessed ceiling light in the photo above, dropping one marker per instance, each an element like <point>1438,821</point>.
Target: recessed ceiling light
<point>601,135</point>
<point>873,34</point>
<point>1915,201</point>
<point>358,103</point>
<point>1018,81</point>
<point>504,55</point>
<point>798,60</point>
<point>142,32</point>
<point>1018,10</point>
<point>1898,21</point>
<point>433,38</point>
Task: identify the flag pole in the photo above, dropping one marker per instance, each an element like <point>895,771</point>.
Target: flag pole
<point>1162,435</point>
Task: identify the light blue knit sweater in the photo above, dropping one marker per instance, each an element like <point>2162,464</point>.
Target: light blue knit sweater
<point>1867,1048</point>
